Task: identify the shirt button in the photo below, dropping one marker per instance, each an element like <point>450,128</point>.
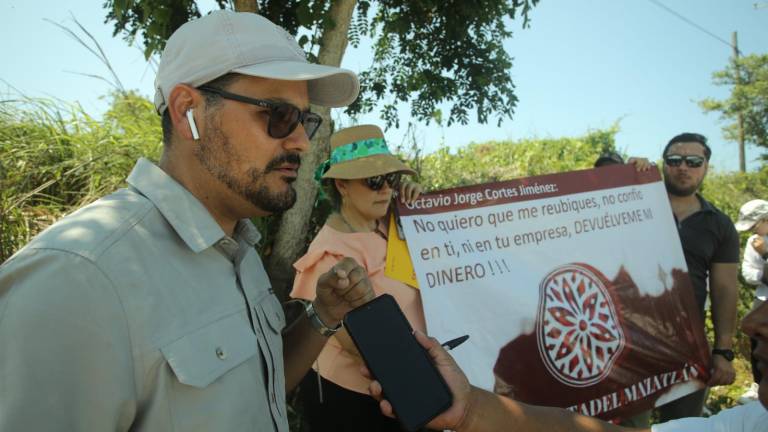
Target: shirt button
<point>220,353</point>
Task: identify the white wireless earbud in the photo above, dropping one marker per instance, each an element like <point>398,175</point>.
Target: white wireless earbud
<point>192,125</point>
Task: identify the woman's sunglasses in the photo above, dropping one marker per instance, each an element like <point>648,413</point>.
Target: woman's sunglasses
<point>283,117</point>
<point>690,161</point>
<point>377,182</point>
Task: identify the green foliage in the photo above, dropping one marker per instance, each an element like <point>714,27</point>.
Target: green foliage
<point>505,160</point>
<point>55,158</point>
<point>427,53</point>
<point>748,78</point>
<point>434,52</point>
<point>156,20</point>
<point>728,192</point>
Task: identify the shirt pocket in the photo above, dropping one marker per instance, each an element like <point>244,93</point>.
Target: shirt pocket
<point>271,319</point>
<point>209,370</point>
<point>273,311</point>
<point>201,357</point>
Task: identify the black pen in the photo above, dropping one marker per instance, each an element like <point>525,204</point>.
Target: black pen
<point>453,343</point>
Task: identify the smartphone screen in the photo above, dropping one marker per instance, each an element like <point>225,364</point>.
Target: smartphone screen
<point>410,381</point>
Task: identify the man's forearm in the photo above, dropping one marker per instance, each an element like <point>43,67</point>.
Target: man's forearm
<point>491,413</point>
<point>724,300</point>
<point>301,346</point>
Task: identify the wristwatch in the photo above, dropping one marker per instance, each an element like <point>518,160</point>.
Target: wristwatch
<point>725,352</point>
<point>317,323</point>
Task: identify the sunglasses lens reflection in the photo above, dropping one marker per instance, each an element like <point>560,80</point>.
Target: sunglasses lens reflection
<point>377,182</point>
<point>690,161</point>
<point>283,119</point>
<point>393,179</point>
<point>311,123</point>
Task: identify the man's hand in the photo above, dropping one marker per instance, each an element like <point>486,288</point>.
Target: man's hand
<point>409,191</point>
<point>723,372</point>
<point>759,244</point>
<point>641,164</point>
<point>457,414</point>
<point>344,287</point>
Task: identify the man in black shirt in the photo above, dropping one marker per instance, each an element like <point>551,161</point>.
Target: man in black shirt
<point>711,248</point>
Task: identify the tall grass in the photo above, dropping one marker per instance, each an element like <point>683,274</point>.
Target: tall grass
<point>54,158</point>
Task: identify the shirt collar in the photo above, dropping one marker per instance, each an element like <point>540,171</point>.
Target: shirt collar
<point>705,205</point>
<point>248,232</point>
<point>183,211</point>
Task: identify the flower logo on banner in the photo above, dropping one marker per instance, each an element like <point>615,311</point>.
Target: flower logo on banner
<point>578,331</point>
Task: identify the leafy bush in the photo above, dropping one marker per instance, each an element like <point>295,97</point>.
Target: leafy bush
<point>728,192</point>
<point>505,160</point>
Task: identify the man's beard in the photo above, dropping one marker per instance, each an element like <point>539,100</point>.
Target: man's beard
<point>215,154</point>
<point>678,191</point>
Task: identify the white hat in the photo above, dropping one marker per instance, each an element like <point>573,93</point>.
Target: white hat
<point>246,43</point>
<point>751,213</point>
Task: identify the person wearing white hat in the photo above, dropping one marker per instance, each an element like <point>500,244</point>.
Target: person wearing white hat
<point>753,216</point>
<point>150,310</point>
<point>361,178</point>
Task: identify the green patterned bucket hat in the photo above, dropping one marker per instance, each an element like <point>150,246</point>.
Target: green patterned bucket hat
<point>360,152</point>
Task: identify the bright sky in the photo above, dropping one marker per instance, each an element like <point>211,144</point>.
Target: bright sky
<point>581,65</point>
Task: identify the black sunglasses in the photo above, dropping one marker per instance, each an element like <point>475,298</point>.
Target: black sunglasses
<point>690,161</point>
<point>283,117</point>
<point>377,182</point>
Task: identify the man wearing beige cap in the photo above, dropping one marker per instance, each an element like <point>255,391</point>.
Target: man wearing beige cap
<point>150,309</point>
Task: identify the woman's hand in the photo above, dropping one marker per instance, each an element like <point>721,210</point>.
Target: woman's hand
<point>409,191</point>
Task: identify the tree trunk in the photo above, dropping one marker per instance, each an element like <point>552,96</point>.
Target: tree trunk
<point>246,6</point>
<point>290,241</point>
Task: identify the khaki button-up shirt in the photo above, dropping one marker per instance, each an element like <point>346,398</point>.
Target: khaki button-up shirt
<point>137,312</point>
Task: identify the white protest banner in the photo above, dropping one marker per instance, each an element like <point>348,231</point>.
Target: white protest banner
<point>573,288</point>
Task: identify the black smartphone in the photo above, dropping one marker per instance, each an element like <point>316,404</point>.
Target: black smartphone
<point>410,380</point>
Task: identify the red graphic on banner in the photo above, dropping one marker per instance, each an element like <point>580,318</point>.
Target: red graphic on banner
<point>603,349</point>
<point>579,336</point>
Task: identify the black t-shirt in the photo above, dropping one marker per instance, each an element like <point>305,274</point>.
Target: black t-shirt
<point>707,236</point>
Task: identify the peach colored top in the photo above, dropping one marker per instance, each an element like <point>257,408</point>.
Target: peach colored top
<point>370,251</point>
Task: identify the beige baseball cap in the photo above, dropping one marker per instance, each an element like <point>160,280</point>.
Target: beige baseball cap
<point>751,213</point>
<point>246,43</point>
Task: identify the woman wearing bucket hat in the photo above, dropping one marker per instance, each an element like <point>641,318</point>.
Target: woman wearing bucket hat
<point>753,216</point>
<point>360,178</point>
